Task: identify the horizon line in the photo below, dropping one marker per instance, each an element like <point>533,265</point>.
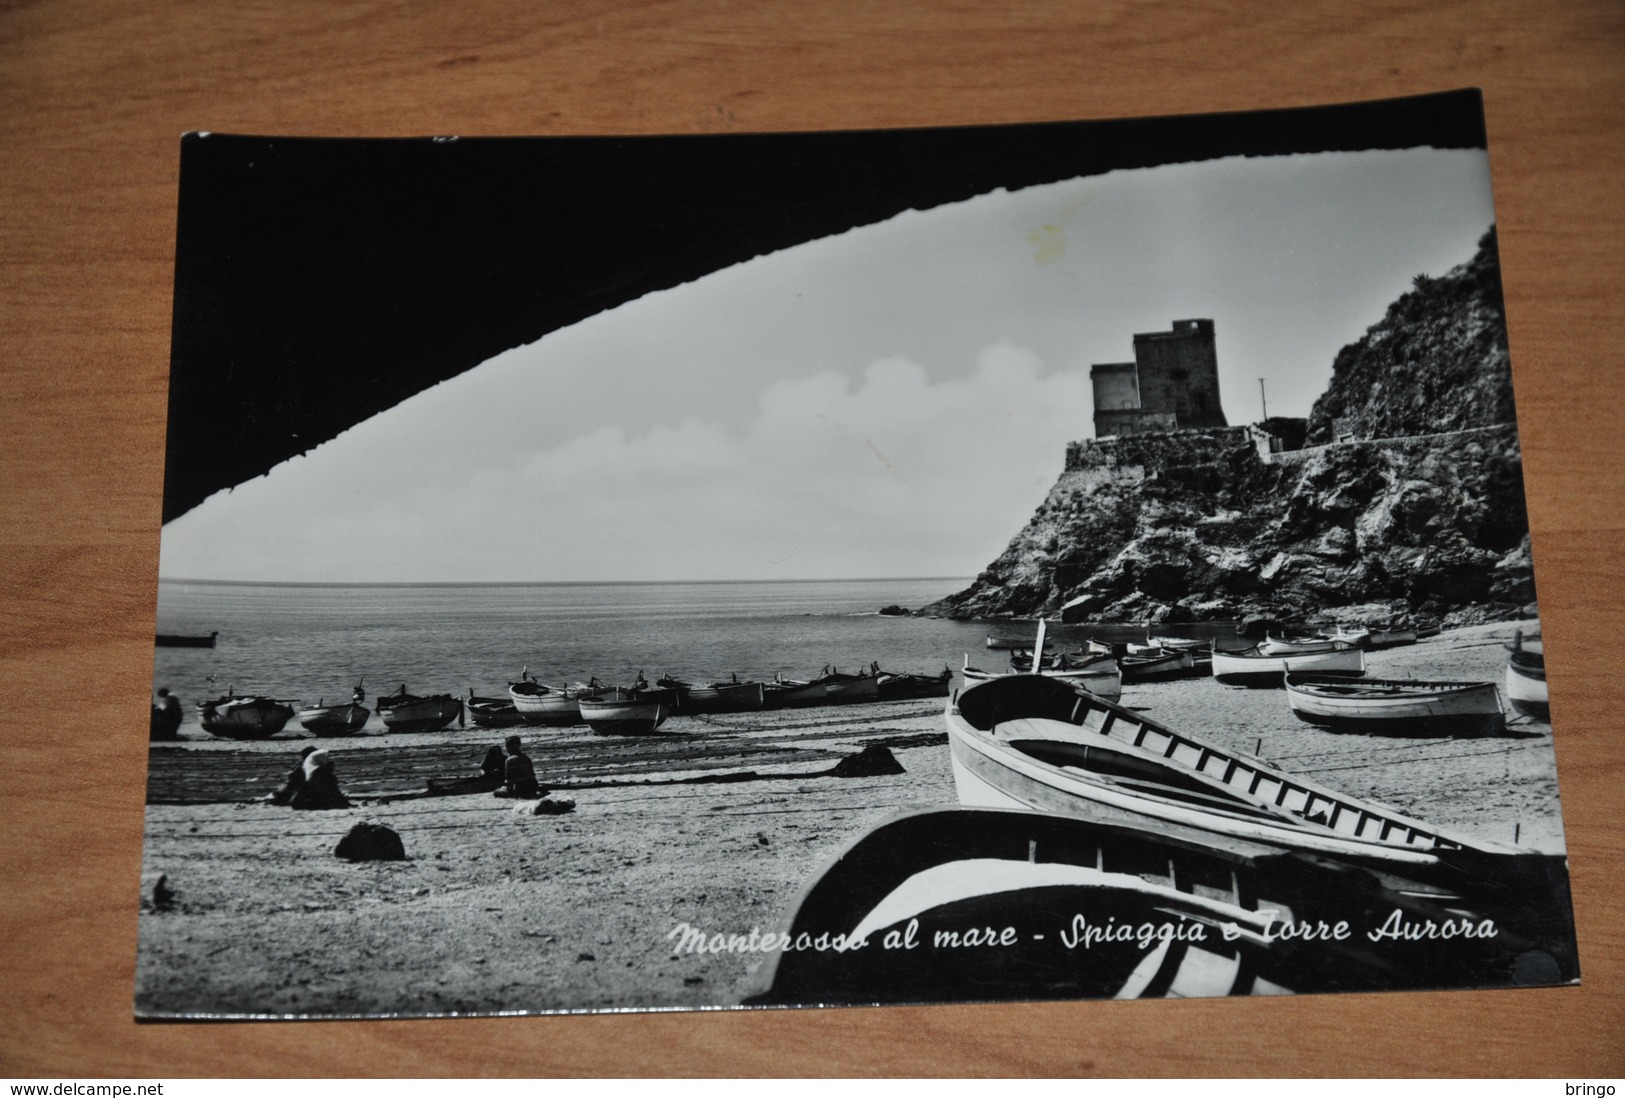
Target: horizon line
<point>550,583</point>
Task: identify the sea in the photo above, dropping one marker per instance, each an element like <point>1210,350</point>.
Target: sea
<point>312,643</point>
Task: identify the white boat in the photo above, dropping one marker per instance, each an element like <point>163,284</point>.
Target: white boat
<point>620,712</point>
<point>538,704</point>
<point>1031,741</point>
<point>1396,707</point>
<point>1100,677</point>
<point>1526,684</point>
<point>1391,638</point>
<point>1156,665</point>
<point>1272,645</point>
<point>1255,668</point>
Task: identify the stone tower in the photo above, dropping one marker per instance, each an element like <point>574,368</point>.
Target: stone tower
<point>1173,383</point>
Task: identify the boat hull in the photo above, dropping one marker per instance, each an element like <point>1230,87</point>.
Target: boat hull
<point>789,694</point>
<point>1526,685</point>
<point>176,640</point>
<point>1397,707</point>
<point>334,720</point>
<point>244,718</point>
<point>1264,671</point>
<point>419,714</point>
<point>851,689</point>
<point>621,717</point>
<point>1159,667</point>
<point>916,910</point>
<point>1097,679</point>
<point>991,725</point>
<point>493,713</point>
<point>905,686</point>
<point>552,707</point>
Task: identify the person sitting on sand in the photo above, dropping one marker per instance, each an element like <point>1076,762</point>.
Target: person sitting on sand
<point>320,788</point>
<point>290,785</point>
<point>166,716</point>
<point>495,764</point>
<point>518,774</point>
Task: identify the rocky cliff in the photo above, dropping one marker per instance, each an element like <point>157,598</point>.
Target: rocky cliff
<point>1436,362</point>
<point>1425,514</point>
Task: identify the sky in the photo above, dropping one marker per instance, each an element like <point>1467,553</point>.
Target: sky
<point>892,401</point>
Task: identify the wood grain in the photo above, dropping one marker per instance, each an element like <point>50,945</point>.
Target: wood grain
<point>93,98</point>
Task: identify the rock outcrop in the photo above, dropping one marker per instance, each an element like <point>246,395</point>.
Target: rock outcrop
<point>1423,511</point>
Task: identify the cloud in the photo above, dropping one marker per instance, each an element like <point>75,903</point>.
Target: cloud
<point>891,474</point>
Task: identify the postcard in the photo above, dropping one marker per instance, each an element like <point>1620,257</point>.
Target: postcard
<point>1058,561</point>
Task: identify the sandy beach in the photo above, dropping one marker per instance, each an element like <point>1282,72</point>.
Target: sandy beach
<point>495,910</point>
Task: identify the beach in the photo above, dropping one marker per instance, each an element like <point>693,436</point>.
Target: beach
<point>498,910</point>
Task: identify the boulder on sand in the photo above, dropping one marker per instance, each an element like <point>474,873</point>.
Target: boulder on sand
<point>871,762</point>
<point>371,841</point>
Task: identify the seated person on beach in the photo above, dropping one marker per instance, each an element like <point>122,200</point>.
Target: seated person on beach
<point>320,788</point>
<point>296,778</point>
<point>495,765</point>
<point>518,775</point>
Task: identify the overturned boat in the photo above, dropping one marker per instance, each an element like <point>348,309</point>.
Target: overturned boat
<point>1396,707</point>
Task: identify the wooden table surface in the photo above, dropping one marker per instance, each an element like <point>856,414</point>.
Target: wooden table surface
<point>93,98</point>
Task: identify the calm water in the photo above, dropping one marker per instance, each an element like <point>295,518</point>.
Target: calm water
<point>307,642</point>
<point>310,643</point>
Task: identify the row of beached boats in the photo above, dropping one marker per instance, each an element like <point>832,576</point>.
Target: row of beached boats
<point>1096,852</point>
<point>608,710</point>
<point>1324,678</point>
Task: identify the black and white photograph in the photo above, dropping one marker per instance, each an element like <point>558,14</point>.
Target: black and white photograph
<point>1056,561</point>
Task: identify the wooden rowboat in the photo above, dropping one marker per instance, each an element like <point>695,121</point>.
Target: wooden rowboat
<point>842,688</point>
<point>336,720</point>
<point>547,705</point>
<point>492,712</point>
<point>1101,678</point>
<point>896,687</point>
<point>1157,665</point>
<point>1254,668</point>
<point>178,640</point>
<point>618,711</point>
<point>945,905</point>
<point>1396,707</point>
<point>1034,742</point>
<point>405,712</point>
<point>1526,684</point>
<point>783,693</point>
<point>243,717</point>
<point>715,697</point>
<point>1287,646</point>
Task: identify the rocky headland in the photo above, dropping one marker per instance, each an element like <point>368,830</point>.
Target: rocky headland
<point>1406,495</point>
